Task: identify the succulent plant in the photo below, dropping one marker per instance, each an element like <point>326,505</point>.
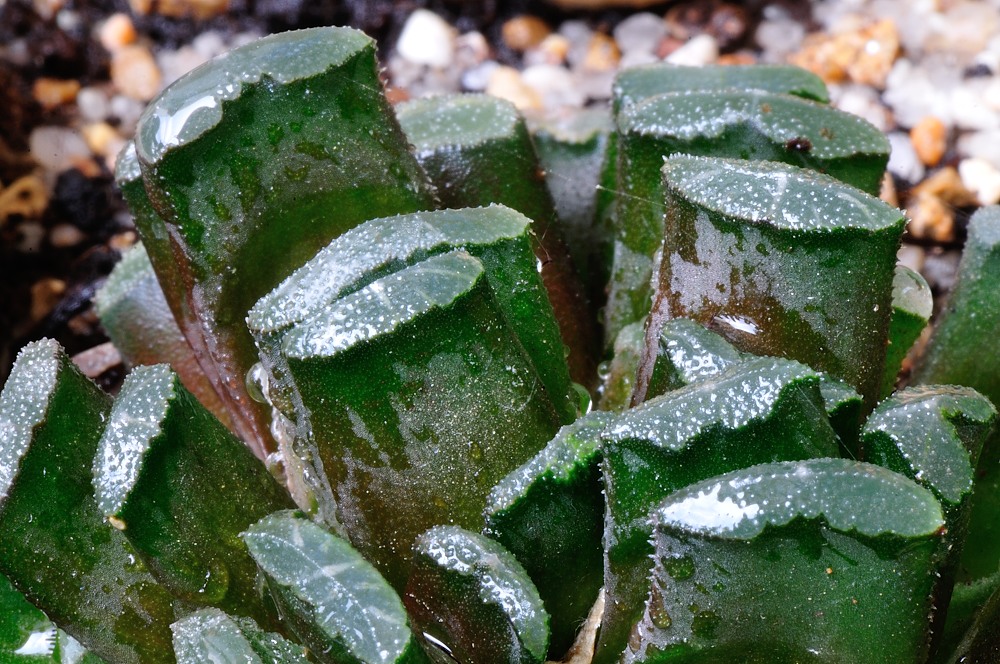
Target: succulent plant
<point>366,342</point>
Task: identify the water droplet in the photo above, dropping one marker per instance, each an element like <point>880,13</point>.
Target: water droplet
<point>257,384</point>
<point>584,403</point>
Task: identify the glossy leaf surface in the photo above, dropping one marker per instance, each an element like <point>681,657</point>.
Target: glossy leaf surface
<point>420,398</point>
<point>549,513</point>
<point>334,600</point>
<point>912,303</point>
<point>137,318</point>
<point>765,409</point>
<point>686,353</point>
<point>824,560</point>
<point>780,261</point>
<point>477,150</point>
<point>57,548</point>
<point>181,488</point>
<point>254,161</point>
<point>209,635</point>
<point>471,596</point>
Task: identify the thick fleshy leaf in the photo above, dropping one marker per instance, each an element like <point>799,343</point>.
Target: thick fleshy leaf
<point>618,374</point>
<point>209,635</point>
<point>636,84</point>
<point>825,560</point>
<point>549,513</point>
<point>57,549</point>
<point>334,600</point>
<point>687,353</point>
<point>571,151</point>
<point>181,488</point>
<point>912,303</point>
<point>254,161</point>
<point>419,398</point>
<point>780,261</point>
<point>474,600</point>
<point>477,150</point>
<point>969,619</point>
<point>761,410</point>
<point>137,318</point>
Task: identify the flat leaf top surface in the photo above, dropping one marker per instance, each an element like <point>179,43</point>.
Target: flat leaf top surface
<point>778,195</point>
<point>193,105</point>
<point>136,419</point>
<point>731,399</point>
<point>687,353</point>
<point>500,579</point>
<point>837,394</point>
<point>376,246</point>
<point>129,272</point>
<point>821,131</point>
<point>922,423</point>
<point>573,448</point>
<point>911,294</point>
<point>384,305</point>
<point>23,404</point>
<point>348,599</point>
<point>850,496</point>
<point>435,123</point>
<point>209,635</point>
<point>633,85</point>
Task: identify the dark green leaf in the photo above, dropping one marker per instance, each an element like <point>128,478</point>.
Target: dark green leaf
<point>209,635</point>
<point>912,303</point>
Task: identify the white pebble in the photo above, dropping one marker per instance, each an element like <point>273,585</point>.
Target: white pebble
<point>863,101</point>
<point>640,33</point>
<point>970,110</point>
<point>56,148</point>
<point>555,85</point>
<point>903,160</point>
<point>427,39</point>
<point>174,64</point>
<point>477,78</point>
<point>698,51</point>
<point>93,104</point>
<point>127,111</point>
<point>982,178</point>
<point>981,144</point>
<point>779,37</point>
<point>209,44</point>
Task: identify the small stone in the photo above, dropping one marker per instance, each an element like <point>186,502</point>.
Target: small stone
<point>946,184</point>
<point>141,7</point>
<point>697,52</point>
<point>45,295</point>
<point>97,360</point>
<point>864,55</point>
<point>969,109</point>
<point>63,236</point>
<point>524,32</point>
<point>127,111</point>
<point>55,148</point>
<point>135,73</point>
<point>427,39</point>
<point>198,9</point>
<point>30,236</point>
<point>552,51</point>
<point>887,192</point>
<point>602,54</point>
<point>640,32</point>
<point>506,83</point>
<point>51,93</point>
<point>912,256</point>
<point>555,85</point>
<point>477,78</point>
<point>602,4</point>
<point>930,139</point>
<point>174,64</point>
<point>122,241</point>
<point>930,219</point>
<point>903,161</point>
<point>779,36</point>
<point>26,196</point>
<point>92,103</point>
<point>941,268</point>
<point>471,50</point>
<point>116,32</point>
<point>863,101</point>
<point>209,44</point>
<point>737,58</point>
<point>982,178</point>
<point>983,144</point>
<point>102,138</point>
<point>578,34</point>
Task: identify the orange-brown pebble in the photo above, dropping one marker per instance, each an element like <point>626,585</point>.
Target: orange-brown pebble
<point>54,92</point>
<point>397,95</point>
<point>864,55</point>
<point>524,32</point>
<point>199,9</point>
<point>45,295</point>
<point>141,7</point>
<point>553,49</point>
<point>506,83</point>
<point>737,58</point>
<point>930,218</point>
<point>930,139</point>
<point>116,32</point>
<point>887,192</point>
<point>102,139</point>
<point>135,73</point>
<point>602,53</point>
<point>946,184</point>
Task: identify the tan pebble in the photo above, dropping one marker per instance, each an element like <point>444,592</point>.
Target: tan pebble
<point>737,58</point>
<point>199,9</point>
<point>116,32</point>
<point>45,295</point>
<point>84,323</point>
<point>602,53</point>
<point>122,241</point>
<point>47,8</point>
<point>982,178</point>
<point>506,83</point>
<point>930,218</point>
<point>65,235</point>
<point>135,73</point>
<point>552,50</point>
<point>603,4</point>
<point>667,46</point>
<point>930,139</point>
<point>887,192</point>
<point>524,32</point>
<point>946,184</point>
<point>85,165</point>
<point>863,55</point>
<point>53,92</point>
<point>397,95</point>
<point>26,196</point>
<point>102,138</point>
<point>142,7</point>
